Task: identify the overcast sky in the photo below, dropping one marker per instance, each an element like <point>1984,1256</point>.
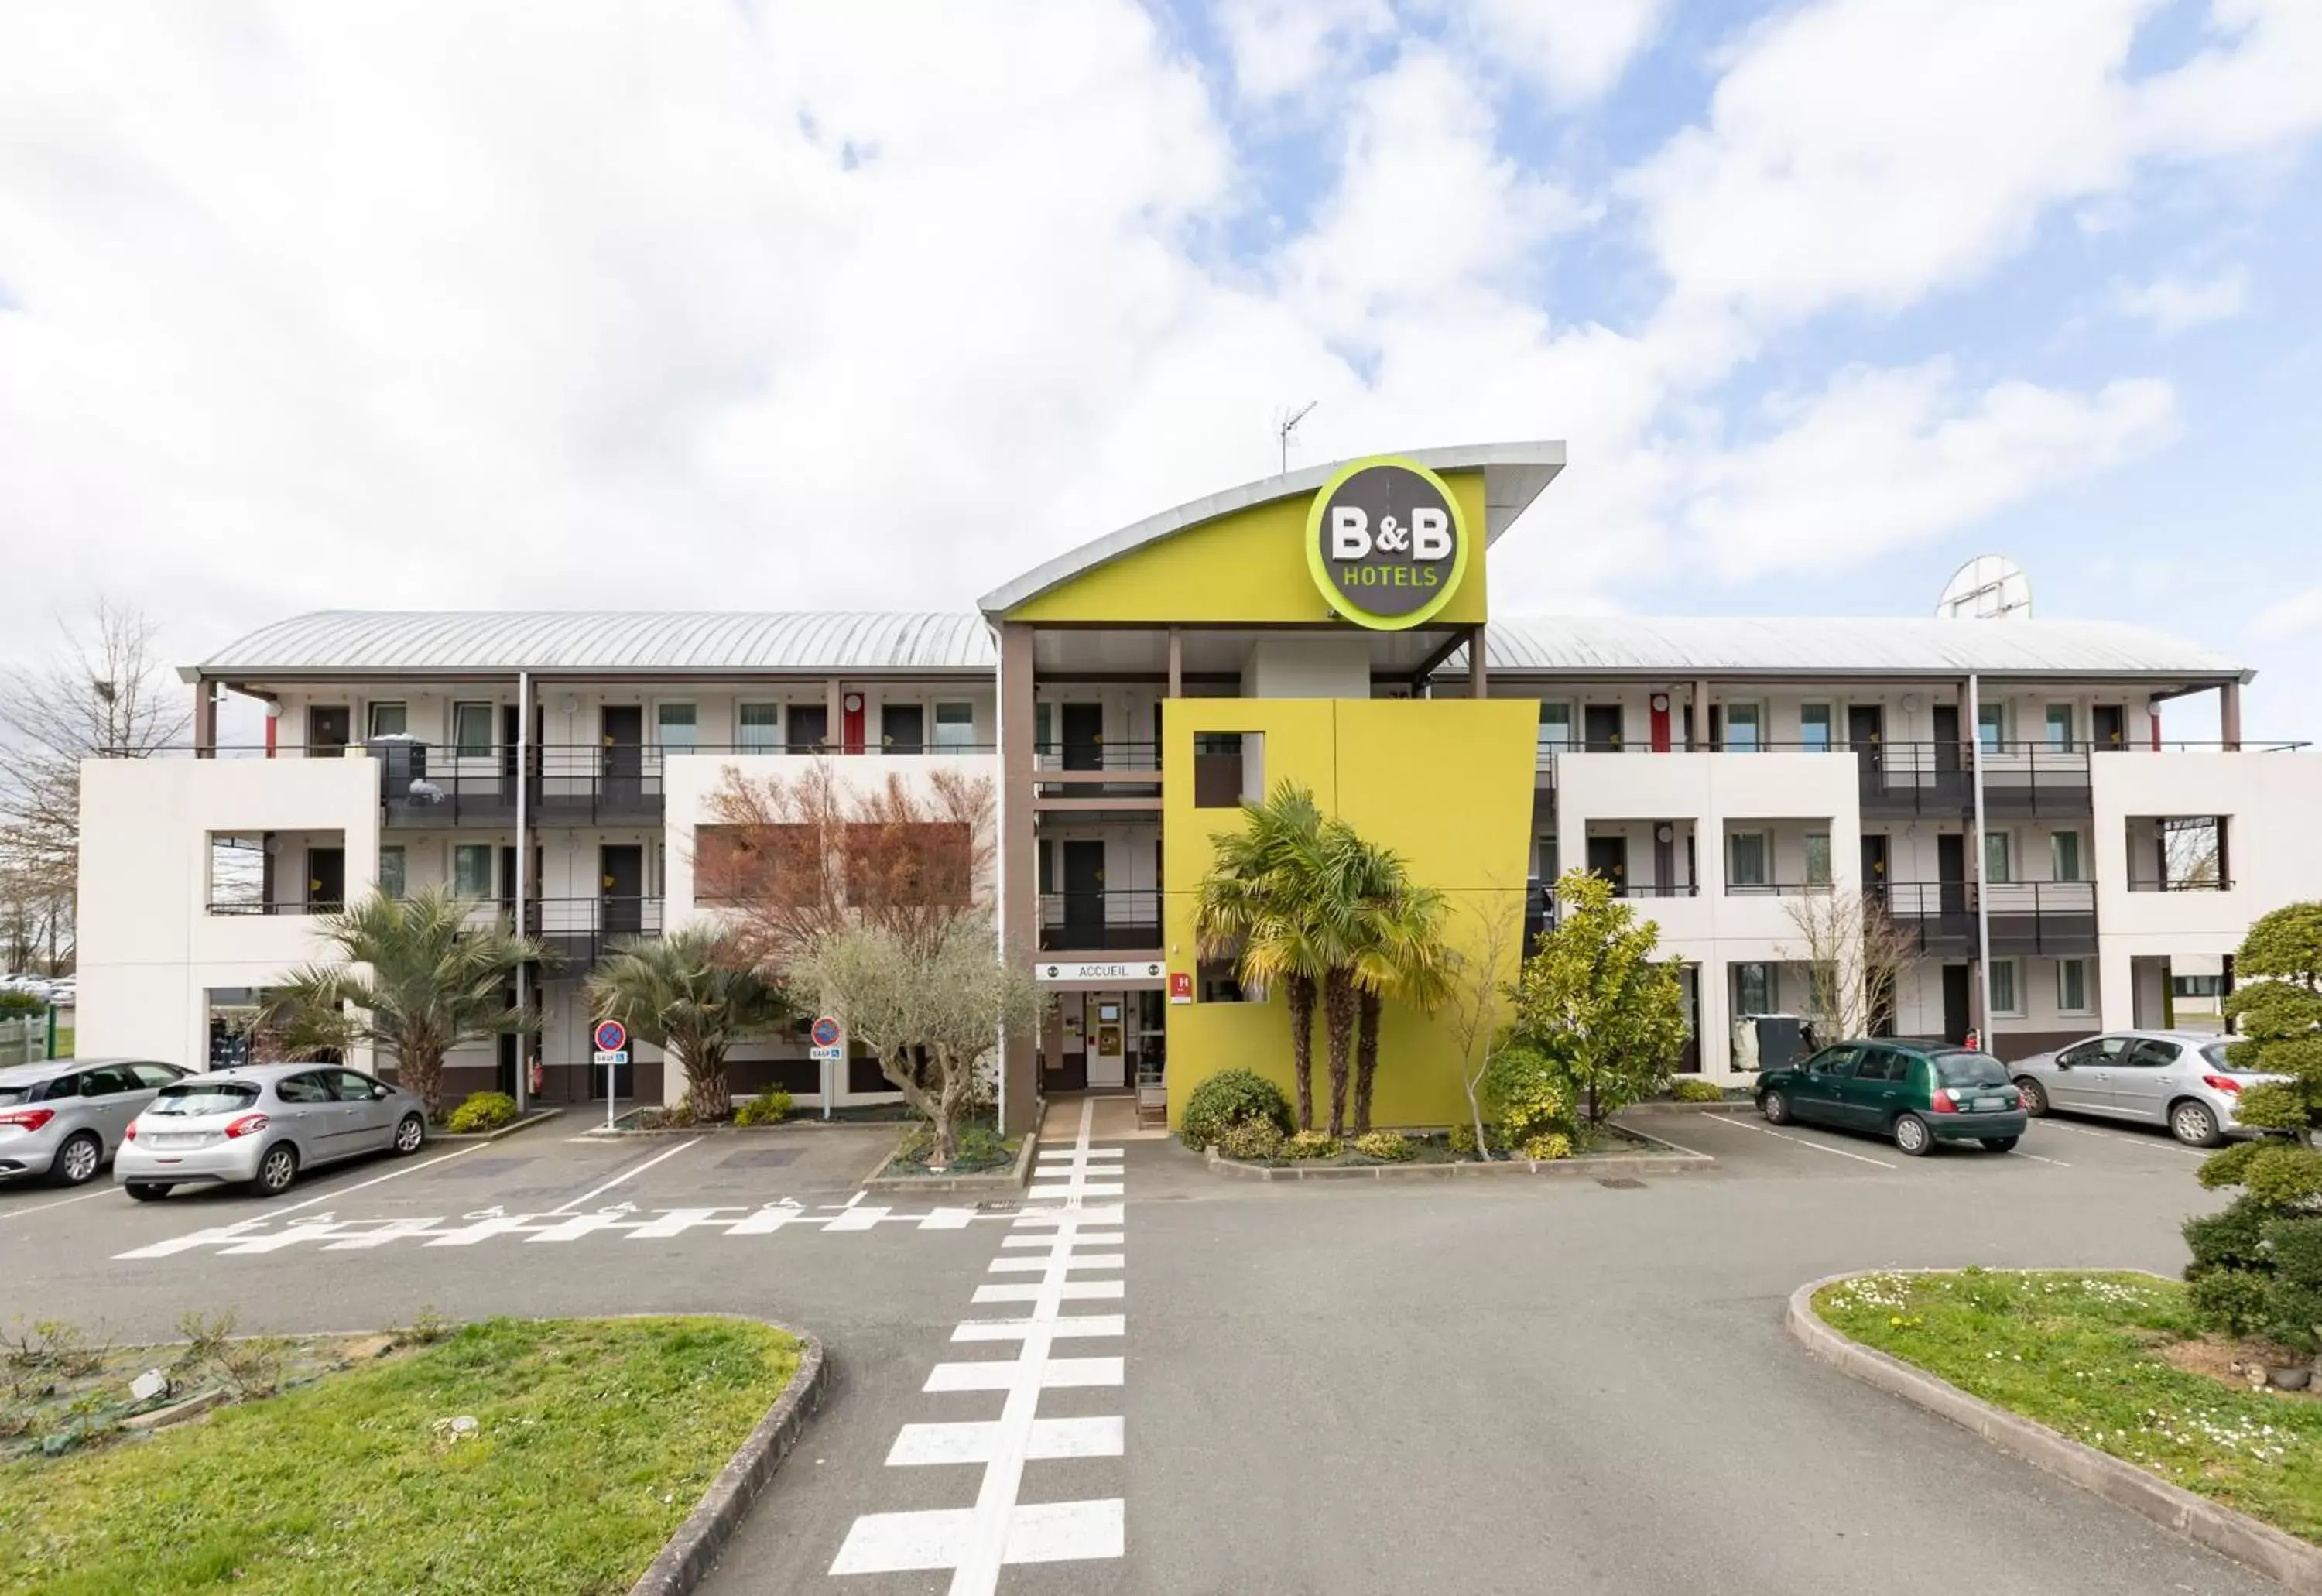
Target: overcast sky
<point>873,304</point>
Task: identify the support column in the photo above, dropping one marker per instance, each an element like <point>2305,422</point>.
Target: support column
<point>204,719</point>
<point>1696,718</point>
<point>1479,670</point>
<point>1018,870</point>
<point>2229,717</point>
<point>1176,661</point>
<point>834,716</point>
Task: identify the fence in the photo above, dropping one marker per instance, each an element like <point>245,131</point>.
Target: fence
<point>24,1039</point>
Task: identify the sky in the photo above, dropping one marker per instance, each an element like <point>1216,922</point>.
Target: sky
<point>749,306</point>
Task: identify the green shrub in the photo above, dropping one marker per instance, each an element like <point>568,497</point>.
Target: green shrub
<point>1311,1143</point>
<point>1526,1093</point>
<point>679,1115</point>
<point>2230,1299</point>
<point>482,1110</point>
<point>2234,1237</point>
<point>1547,1146</point>
<point>1225,1097</point>
<point>1693,1088</point>
<point>917,1144</point>
<point>1392,1146</point>
<point>1251,1141</point>
<point>979,1144</point>
<point>768,1109</point>
<point>13,1001</point>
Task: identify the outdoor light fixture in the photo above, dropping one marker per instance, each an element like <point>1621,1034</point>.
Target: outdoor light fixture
<point>1660,703</point>
<point>1665,832</point>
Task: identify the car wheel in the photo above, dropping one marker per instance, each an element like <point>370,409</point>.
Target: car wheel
<point>1775,1107</point>
<point>276,1171</point>
<point>1912,1136</point>
<point>2035,1101</point>
<point>2191,1123</point>
<point>77,1161</point>
<point>2001,1144</point>
<point>410,1136</point>
<point>148,1190</point>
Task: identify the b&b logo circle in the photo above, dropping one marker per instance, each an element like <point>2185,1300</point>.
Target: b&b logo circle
<point>1386,543</point>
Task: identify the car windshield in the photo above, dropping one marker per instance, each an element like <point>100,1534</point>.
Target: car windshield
<point>204,1097</point>
<point>9,1095</point>
<point>1969,1069</point>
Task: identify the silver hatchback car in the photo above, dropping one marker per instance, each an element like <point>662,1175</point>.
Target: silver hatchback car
<point>260,1125</point>
<point>2178,1079</point>
<point>64,1118</point>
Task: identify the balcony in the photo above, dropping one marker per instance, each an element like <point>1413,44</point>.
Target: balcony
<point>579,932</point>
<point>2052,918</point>
<point>1100,921</point>
<point>1096,776</point>
<point>2020,779</point>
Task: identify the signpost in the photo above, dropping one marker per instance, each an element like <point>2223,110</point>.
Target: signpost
<point>612,1052</point>
<point>827,1051</point>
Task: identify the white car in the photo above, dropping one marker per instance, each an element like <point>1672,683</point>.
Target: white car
<point>2179,1079</point>
<point>258,1126</point>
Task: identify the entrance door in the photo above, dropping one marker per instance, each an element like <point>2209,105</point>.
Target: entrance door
<point>1083,894</point>
<point>1950,876</point>
<point>808,729</point>
<point>1600,727</point>
<point>1108,1042</point>
<point>2109,723</point>
<point>1609,857</point>
<point>507,882</point>
<point>624,883</point>
<point>327,881</point>
<point>1874,867</point>
<point>511,728</point>
<point>902,727</point>
<point>1083,736</point>
<point>624,728</point>
<point>1866,727</point>
<point>328,728</point>
<point>1947,737</point>
<point>1955,1003</point>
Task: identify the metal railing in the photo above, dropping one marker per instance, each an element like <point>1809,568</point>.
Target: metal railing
<point>1656,890</point>
<point>2154,884</point>
<point>1097,756</point>
<point>581,931</point>
<point>2020,780</point>
<point>2039,917</point>
<point>247,905</point>
<point>1100,921</point>
<point>1775,888</point>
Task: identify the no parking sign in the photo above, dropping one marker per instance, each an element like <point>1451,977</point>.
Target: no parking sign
<point>825,1039</point>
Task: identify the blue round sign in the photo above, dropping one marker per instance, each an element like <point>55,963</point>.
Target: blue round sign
<point>825,1032</point>
<point>612,1035</point>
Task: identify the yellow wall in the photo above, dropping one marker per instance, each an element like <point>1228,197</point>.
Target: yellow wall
<point>1246,568</point>
<point>1446,783</point>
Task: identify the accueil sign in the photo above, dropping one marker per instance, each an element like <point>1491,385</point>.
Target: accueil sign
<point>1386,543</point>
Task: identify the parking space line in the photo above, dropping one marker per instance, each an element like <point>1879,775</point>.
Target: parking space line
<point>408,1169</point>
<point>626,1175</point>
<point>1800,1141</point>
<point>44,1208</point>
<point>2034,1157</point>
<point>2113,1135</point>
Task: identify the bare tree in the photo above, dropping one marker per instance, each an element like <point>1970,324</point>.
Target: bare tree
<point>2190,851</point>
<point>1478,996</point>
<point>102,693</point>
<point>1855,954</point>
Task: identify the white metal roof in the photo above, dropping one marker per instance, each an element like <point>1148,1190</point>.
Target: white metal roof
<point>1848,646</point>
<point>419,642</point>
<point>1515,474</point>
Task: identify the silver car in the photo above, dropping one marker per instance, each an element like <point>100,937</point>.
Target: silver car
<point>260,1125</point>
<point>64,1118</point>
<point>2179,1079</point>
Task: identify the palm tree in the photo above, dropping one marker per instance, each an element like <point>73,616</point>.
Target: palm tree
<point>417,981</point>
<point>1400,952</point>
<point>1255,906</point>
<point>686,993</point>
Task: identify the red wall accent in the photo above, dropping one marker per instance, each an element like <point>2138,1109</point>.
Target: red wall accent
<point>1661,725</point>
<point>850,723</point>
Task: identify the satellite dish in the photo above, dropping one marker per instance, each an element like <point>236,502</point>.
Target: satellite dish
<point>1987,587</point>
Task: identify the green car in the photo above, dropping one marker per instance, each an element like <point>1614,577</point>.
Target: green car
<point>1916,1093</point>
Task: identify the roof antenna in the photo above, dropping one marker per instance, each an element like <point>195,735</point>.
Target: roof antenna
<point>1286,426</point>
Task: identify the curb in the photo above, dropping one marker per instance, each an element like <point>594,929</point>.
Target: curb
<point>940,1185</point>
<point>2272,1552</point>
<point>1676,1161</point>
<point>693,1550</point>
<point>510,1129</point>
<point>1737,1106</point>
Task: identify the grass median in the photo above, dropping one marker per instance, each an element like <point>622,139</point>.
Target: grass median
<point>2096,1357</point>
<point>591,1441</point>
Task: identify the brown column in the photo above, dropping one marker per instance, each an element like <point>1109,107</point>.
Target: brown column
<point>834,715</point>
<point>204,720</point>
<point>1020,879</point>
<point>1696,718</point>
<point>1176,661</point>
<point>2229,717</point>
<point>1479,670</point>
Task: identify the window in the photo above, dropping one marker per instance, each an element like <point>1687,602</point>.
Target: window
<point>1881,1063</point>
<point>386,720</point>
<point>156,1075</point>
<point>954,726</point>
<point>1835,1060</point>
<point>1218,772</point>
<point>2151,1054</point>
<point>1991,726</point>
<point>2059,728</point>
<point>471,869</point>
<point>758,728</point>
<point>2073,986</point>
<point>1555,728</point>
<point>198,1097</point>
<point>1969,1069</point>
<point>1817,857</point>
<point>809,728</point>
<point>2005,999</point>
<point>1219,983</point>
<point>2104,1050</point>
<point>303,1088</point>
<point>676,728</point>
<point>1745,858</point>
<point>1549,869</point>
<point>1043,731</point>
<point>348,1087</point>
<point>1753,989</point>
<point>471,731</point>
<point>1998,858</point>
<point>390,871</point>
<point>2065,856</point>
<point>1744,728</point>
<point>1813,727</point>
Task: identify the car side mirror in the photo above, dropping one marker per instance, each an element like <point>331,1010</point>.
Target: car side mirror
<point>2064,1063</point>
<point>378,1093</point>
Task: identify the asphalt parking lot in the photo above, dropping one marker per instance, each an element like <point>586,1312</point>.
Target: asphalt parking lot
<point>1512,1385</point>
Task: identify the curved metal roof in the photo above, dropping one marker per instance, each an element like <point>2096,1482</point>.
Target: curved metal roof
<point>408,642</point>
<point>1515,474</point>
<point>1843,645</point>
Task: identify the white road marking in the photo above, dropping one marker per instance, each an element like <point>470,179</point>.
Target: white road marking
<point>924,1444</point>
<point>44,1206</point>
<point>2034,1157</point>
<point>626,1175</point>
<point>2113,1135</point>
<point>393,1174</point>
<point>1801,1140</point>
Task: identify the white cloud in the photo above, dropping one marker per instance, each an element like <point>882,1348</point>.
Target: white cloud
<point>2300,614</point>
<point>1573,51</point>
<point>1883,459</point>
<point>1279,46</point>
<point>2173,302</point>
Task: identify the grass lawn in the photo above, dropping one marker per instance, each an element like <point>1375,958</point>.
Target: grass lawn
<point>594,1439</point>
<point>2082,1353</point>
<point>64,1042</point>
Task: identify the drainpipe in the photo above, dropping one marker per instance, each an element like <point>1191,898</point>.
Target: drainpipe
<point>1982,886</point>
<point>523,868</point>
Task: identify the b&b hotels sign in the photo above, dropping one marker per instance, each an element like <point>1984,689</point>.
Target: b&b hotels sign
<point>1386,543</point>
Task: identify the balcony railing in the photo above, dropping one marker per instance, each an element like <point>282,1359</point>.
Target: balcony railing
<point>2019,778</point>
<point>581,931</point>
<point>2154,884</point>
<point>1656,889</point>
<point>244,906</point>
<point>1097,756</point>
<point>1776,889</point>
<point>1100,921</point>
<point>2055,918</point>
